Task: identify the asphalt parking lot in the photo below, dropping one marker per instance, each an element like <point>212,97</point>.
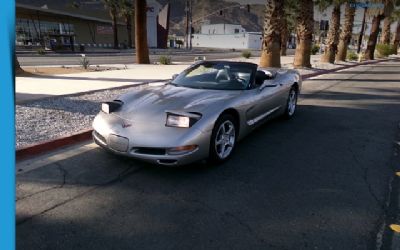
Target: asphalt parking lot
<point>318,181</point>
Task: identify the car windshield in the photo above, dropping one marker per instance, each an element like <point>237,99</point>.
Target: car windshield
<point>217,75</point>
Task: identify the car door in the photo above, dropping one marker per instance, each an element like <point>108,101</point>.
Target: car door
<point>264,102</point>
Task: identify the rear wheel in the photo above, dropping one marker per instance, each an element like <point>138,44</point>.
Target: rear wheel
<point>223,139</point>
<point>291,103</point>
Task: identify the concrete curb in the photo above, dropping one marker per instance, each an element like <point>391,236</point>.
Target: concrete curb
<point>47,146</point>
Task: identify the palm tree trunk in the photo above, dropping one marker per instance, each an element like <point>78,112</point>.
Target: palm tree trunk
<point>128,21</point>
<point>347,32</point>
<point>304,30</point>
<point>385,39</point>
<point>284,36</point>
<point>113,14</point>
<point>396,38</point>
<point>17,66</point>
<point>333,36</point>
<point>142,49</point>
<point>271,47</point>
<point>373,37</point>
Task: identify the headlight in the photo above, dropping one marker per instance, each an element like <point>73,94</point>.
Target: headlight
<point>178,121</point>
<point>183,120</point>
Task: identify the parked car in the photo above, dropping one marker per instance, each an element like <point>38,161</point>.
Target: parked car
<point>201,113</point>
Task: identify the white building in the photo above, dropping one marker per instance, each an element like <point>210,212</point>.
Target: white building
<point>226,36</point>
<point>153,8</point>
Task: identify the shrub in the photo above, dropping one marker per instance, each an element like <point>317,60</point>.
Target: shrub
<point>41,51</point>
<point>352,56</point>
<point>315,49</point>
<point>165,60</point>
<point>84,62</point>
<point>246,53</point>
<point>384,50</point>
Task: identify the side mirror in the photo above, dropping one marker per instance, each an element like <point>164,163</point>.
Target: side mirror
<point>174,76</point>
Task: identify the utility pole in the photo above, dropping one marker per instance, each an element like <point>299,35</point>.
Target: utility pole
<point>360,38</point>
<point>190,24</point>
<point>187,25</point>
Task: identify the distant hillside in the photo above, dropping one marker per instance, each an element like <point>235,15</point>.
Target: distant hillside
<point>251,21</point>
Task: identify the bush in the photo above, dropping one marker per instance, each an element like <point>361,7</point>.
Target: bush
<point>315,49</point>
<point>165,60</point>
<point>246,53</point>
<point>41,51</point>
<point>84,62</point>
<point>352,56</point>
<point>384,50</point>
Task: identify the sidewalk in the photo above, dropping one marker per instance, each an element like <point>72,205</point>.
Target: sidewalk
<point>32,88</point>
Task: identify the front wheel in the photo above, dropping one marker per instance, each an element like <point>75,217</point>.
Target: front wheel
<point>223,139</point>
<point>291,103</point>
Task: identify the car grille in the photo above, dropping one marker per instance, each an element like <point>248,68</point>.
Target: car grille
<point>149,151</point>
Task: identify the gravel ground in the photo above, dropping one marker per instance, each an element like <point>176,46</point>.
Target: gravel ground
<point>55,117</point>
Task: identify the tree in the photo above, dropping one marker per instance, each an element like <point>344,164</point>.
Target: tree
<point>126,11</point>
<point>347,31</point>
<point>288,23</point>
<point>304,31</point>
<point>142,50</point>
<point>284,35</point>
<point>396,39</point>
<point>17,66</point>
<point>271,44</point>
<point>332,39</point>
<point>385,38</point>
<point>378,15</point>
<point>393,15</point>
<point>112,6</point>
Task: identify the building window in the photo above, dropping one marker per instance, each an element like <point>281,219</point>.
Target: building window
<point>236,31</point>
<point>33,32</point>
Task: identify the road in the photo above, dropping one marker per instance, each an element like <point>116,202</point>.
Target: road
<point>318,181</point>
<point>123,58</point>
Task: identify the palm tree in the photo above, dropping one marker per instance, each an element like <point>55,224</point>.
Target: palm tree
<point>385,38</point>
<point>112,6</point>
<point>332,39</point>
<point>304,31</point>
<point>378,15</point>
<point>271,45</point>
<point>17,66</point>
<point>142,50</point>
<point>126,11</point>
<point>396,40</point>
<point>284,35</point>
<point>288,23</point>
<point>347,31</point>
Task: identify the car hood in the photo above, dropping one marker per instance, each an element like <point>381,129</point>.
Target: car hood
<point>149,104</point>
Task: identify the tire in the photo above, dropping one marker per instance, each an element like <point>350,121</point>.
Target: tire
<point>223,139</point>
<point>291,103</point>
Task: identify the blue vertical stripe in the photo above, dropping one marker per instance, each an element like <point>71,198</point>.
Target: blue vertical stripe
<point>7,128</point>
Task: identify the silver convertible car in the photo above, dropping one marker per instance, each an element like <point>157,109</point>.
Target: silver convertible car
<point>200,114</point>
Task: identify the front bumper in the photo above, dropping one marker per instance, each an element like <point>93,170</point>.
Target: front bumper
<point>154,155</point>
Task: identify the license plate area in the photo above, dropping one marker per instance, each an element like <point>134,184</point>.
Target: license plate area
<point>118,143</point>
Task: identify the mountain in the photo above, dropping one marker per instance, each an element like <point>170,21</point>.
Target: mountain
<point>202,10</point>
